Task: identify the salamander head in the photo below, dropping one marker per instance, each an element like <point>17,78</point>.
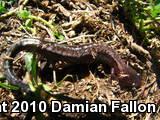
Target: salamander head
<point>130,78</point>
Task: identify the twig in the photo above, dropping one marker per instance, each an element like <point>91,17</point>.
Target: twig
<point>39,19</point>
<point>149,85</point>
<point>54,77</point>
<point>45,28</point>
<point>12,34</point>
<point>140,49</point>
<point>151,20</point>
<point>8,14</point>
<point>23,4</point>
<point>143,89</point>
<point>97,90</point>
<point>21,56</point>
<point>2,77</point>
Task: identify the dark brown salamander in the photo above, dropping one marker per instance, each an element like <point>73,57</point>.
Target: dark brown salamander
<point>84,54</point>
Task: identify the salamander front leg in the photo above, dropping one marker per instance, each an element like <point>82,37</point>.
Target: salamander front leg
<point>113,77</point>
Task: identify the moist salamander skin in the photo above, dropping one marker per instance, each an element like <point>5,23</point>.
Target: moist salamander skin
<point>79,54</point>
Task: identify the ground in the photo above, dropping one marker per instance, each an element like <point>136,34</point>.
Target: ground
<point>80,22</point>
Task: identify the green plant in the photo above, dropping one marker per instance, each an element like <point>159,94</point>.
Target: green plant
<point>2,7</point>
<point>144,14</point>
<point>28,18</point>
<point>8,86</point>
<point>155,9</point>
<point>28,23</point>
<point>24,14</point>
<point>31,66</point>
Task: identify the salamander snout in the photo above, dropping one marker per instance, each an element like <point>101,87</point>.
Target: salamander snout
<point>130,79</point>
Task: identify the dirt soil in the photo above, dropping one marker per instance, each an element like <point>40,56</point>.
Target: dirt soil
<point>85,21</point>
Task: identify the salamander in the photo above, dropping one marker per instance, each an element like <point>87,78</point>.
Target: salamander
<point>76,54</point>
